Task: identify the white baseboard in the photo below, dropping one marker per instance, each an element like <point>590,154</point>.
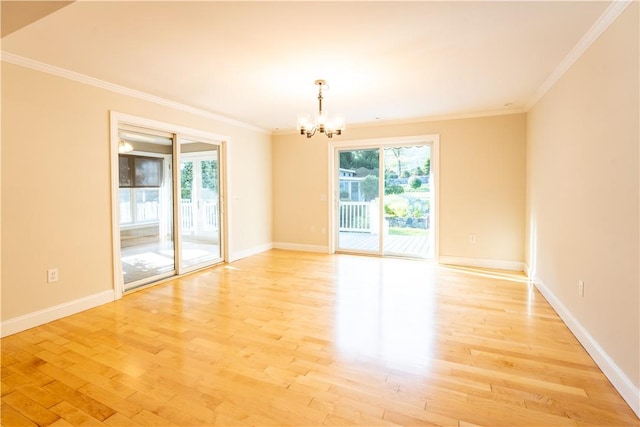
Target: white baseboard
<point>301,248</point>
<point>251,251</point>
<point>40,317</point>
<point>482,263</point>
<point>629,392</point>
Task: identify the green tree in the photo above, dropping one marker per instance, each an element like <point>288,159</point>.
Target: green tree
<point>369,159</point>
<point>210,175</point>
<point>186,180</point>
<point>369,187</point>
<point>354,159</point>
<point>427,166</point>
<point>209,178</point>
<point>397,152</point>
<point>346,159</point>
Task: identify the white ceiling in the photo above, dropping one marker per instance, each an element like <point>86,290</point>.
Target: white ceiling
<point>256,61</point>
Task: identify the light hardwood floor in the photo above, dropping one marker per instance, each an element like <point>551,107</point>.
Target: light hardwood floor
<point>292,338</point>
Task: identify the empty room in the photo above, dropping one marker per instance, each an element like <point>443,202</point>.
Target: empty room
<point>320,213</point>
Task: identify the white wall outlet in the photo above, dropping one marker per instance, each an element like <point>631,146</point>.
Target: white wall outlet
<point>312,229</point>
<point>472,238</point>
<point>580,288</point>
<point>52,275</point>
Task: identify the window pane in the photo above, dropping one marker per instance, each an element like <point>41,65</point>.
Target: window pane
<point>148,172</point>
<point>125,206</point>
<point>199,209</point>
<point>358,208</point>
<point>125,171</point>
<point>147,204</point>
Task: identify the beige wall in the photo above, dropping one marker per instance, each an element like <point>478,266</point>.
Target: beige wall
<point>56,203</point>
<point>482,184</point>
<point>583,192</point>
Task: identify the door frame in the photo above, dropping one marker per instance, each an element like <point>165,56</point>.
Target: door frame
<point>381,144</point>
<point>117,119</point>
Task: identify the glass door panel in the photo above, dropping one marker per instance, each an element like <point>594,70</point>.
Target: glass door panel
<point>146,208</point>
<point>200,229</point>
<point>358,216</point>
<point>407,201</point>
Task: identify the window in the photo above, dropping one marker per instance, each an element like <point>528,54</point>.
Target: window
<point>139,205</point>
<point>140,171</point>
<point>140,181</point>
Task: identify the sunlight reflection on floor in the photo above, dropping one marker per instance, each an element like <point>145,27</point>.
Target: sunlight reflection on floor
<point>385,313</point>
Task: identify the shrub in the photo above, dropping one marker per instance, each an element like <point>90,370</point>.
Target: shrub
<point>415,182</point>
<point>396,206</point>
<point>393,189</point>
<point>405,206</point>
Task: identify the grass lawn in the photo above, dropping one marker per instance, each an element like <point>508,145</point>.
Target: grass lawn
<point>407,231</point>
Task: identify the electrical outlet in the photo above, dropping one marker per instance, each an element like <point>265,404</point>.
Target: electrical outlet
<point>312,229</point>
<point>580,288</point>
<point>472,238</point>
<point>52,275</point>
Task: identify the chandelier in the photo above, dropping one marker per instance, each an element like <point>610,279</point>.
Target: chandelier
<point>322,123</point>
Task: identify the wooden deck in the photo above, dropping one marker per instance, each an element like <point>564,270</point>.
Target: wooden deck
<point>304,339</point>
<point>413,246</point>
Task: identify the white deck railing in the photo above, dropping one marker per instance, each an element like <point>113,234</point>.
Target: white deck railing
<point>353,216</point>
<point>358,217</point>
<point>186,214</point>
<point>208,219</point>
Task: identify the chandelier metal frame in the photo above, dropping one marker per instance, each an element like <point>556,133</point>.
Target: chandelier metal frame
<point>322,123</point>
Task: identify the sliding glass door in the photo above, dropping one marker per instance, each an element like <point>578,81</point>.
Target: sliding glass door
<point>199,204</point>
<point>168,219</point>
<point>146,207</point>
<point>385,200</point>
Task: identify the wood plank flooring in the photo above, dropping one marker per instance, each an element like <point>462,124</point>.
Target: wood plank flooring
<point>292,338</point>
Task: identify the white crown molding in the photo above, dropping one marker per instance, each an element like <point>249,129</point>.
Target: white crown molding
<point>441,118</point>
<point>81,78</point>
<point>608,16</point>
<point>423,119</point>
